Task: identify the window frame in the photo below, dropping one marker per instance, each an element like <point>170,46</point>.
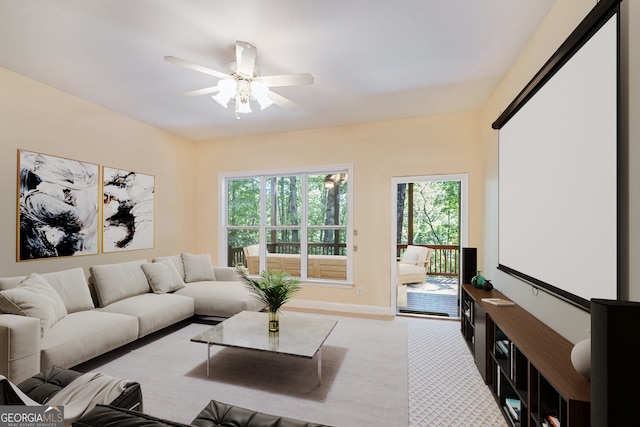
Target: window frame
<point>263,176</point>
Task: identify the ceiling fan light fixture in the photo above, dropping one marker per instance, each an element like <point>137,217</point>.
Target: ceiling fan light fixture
<point>242,106</point>
<point>260,93</point>
<point>243,82</point>
<point>227,91</point>
<point>243,96</point>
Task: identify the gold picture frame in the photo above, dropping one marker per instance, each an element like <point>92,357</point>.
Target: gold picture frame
<point>128,210</point>
<point>57,207</point>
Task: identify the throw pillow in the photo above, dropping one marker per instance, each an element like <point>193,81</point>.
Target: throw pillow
<point>34,297</point>
<point>161,278</point>
<point>72,287</point>
<point>197,268</point>
<point>411,255</point>
<point>158,277</point>
<point>176,260</point>
<point>253,250</point>
<point>177,282</point>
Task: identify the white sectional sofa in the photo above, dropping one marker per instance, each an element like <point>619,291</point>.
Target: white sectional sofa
<point>62,319</point>
<point>225,300</point>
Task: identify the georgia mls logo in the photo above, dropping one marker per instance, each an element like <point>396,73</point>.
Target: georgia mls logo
<point>31,416</point>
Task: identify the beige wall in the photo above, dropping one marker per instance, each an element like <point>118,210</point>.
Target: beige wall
<point>38,118</point>
<point>378,151</point>
<point>569,321</point>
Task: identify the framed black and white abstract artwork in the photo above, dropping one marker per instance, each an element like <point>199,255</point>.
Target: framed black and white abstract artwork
<point>128,209</point>
<point>58,201</point>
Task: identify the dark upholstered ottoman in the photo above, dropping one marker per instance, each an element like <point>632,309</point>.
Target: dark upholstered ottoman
<point>43,386</point>
<point>111,416</point>
<point>215,414</point>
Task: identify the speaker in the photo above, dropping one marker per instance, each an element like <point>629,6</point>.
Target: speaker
<point>615,371</point>
<point>469,263</point>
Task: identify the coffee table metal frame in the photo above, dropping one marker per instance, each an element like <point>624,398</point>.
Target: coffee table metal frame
<point>298,336</point>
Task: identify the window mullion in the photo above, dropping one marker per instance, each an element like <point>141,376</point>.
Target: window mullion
<point>263,225</point>
<point>303,227</point>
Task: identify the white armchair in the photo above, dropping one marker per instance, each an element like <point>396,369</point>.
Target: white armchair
<point>412,268</point>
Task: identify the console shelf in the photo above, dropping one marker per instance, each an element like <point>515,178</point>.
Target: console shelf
<point>523,360</point>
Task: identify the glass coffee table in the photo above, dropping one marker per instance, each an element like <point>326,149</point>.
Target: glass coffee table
<point>298,336</point>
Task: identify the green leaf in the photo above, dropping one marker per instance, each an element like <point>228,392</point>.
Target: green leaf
<point>273,288</point>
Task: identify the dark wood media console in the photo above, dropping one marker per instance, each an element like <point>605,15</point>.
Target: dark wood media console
<point>522,359</point>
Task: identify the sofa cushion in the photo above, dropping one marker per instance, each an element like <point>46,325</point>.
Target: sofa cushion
<point>217,414</point>
<point>84,335</point>
<point>197,268</point>
<point>10,282</point>
<point>227,274</point>
<point>154,311</point>
<point>176,261</point>
<point>405,269</point>
<point>71,285</point>
<point>163,276</point>
<point>114,282</point>
<point>220,299</point>
<point>44,385</point>
<point>413,254</point>
<point>112,416</point>
<point>34,297</point>
<point>252,250</point>
<point>176,276</point>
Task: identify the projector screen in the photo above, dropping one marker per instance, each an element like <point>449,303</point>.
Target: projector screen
<point>558,178</point>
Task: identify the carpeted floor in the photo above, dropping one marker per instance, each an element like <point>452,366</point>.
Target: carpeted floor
<point>364,376</point>
<point>445,387</point>
<point>412,372</point>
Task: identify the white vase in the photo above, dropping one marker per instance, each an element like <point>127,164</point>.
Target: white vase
<point>581,358</point>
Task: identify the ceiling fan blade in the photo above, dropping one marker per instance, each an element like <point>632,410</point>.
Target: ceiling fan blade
<point>288,80</point>
<point>245,58</point>
<point>199,92</point>
<point>195,67</point>
<point>281,101</point>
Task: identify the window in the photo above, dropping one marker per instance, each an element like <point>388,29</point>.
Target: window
<point>297,222</point>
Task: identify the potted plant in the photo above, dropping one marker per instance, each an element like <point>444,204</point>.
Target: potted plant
<point>273,288</point>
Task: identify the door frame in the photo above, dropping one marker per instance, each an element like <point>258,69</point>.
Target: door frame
<point>463,178</point>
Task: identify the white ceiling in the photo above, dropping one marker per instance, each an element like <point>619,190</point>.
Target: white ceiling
<point>371,59</point>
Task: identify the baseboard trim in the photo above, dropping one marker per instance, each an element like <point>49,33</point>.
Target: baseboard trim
<point>335,307</point>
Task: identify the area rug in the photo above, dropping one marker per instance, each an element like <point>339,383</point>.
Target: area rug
<point>445,386</point>
<point>364,375</point>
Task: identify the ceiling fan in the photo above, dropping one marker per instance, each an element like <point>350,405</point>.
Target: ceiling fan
<point>243,82</point>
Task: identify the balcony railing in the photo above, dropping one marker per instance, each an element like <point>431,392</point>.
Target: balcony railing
<point>445,259</point>
<point>235,255</point>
